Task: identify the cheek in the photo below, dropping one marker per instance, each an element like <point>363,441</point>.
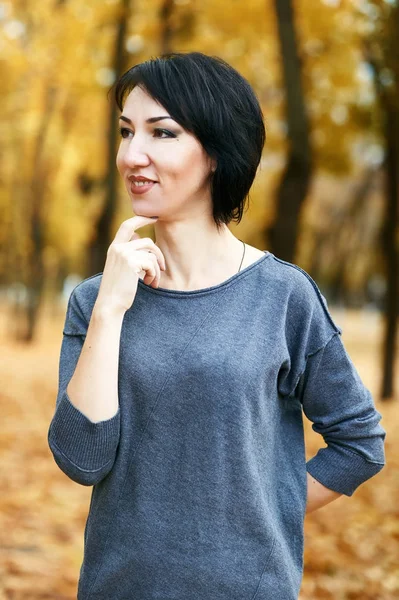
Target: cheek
<point>186,167</point>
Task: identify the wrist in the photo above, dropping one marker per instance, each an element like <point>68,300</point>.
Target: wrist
<point>318,495</point>
<point>104,311</point>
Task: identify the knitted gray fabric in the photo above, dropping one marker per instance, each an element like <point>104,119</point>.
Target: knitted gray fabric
<point>200,478</point>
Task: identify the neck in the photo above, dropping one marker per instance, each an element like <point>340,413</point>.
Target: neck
<point>195,256</point>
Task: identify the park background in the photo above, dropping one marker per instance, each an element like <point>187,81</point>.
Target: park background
<point>325,198</point>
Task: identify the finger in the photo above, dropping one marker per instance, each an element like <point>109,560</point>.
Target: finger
<point>144,243</point>
<point>154,282</point>
<point>150,267</point>
<point>128,227</point>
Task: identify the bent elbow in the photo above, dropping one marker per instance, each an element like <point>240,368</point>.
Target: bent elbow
<point>77,474</point>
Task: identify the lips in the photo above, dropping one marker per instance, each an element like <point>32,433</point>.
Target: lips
<point>142,189</point>
<point>140,178</point>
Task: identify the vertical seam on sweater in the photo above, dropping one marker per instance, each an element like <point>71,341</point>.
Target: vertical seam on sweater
<point>269,556</point>
<point>169,375</point>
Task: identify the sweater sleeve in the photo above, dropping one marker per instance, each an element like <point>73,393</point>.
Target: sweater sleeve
<point>342,410</point>
<point>318,372</point>
<point>85,451</point>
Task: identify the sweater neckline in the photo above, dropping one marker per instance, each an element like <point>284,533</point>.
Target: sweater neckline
<point>208,290</point>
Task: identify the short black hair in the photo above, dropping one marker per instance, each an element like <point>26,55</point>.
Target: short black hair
<point>214,102</point>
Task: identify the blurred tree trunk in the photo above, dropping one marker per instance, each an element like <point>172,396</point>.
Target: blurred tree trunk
<point>390,242</point>
<point>177,23</point>
<point>165,15</point>
<point>380,57</point>
<point>296,177</point>
<point>102,237</point>
<point>35,267</point>
<point>33,202</point>
<point>43,166</point>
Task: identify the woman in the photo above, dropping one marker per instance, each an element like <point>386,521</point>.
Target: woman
<point>187,363</point>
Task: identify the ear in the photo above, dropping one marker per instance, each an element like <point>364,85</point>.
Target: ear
<point>213,165</point>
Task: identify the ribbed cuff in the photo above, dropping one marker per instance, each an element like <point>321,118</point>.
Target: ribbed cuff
<point>89,446</point>
<point>341,470</point>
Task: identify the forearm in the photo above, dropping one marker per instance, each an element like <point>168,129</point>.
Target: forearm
<point>93,389</point>
<point>342,411</point>
<point>318,495</point>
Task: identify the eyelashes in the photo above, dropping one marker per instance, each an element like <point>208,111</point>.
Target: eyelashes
<point>169,134</point>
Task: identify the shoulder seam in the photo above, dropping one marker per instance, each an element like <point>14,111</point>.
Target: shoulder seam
<point>315,287</point>
<point>303,367</point>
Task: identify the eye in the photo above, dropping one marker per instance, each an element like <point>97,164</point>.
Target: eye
<point>125,133</point>
<point>123,130</point>
<point>168,133</point>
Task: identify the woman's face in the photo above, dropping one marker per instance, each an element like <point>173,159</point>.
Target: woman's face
<point>165,153</point>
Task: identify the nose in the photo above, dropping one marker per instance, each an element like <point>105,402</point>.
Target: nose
<point>135,153</point>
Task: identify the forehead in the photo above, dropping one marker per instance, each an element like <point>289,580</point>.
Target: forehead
<point>139,102</point>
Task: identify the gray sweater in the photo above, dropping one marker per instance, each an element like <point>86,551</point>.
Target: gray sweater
<point>200,478</point>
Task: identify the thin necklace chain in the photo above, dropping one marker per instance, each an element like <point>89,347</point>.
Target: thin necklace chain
<point>242,256</point>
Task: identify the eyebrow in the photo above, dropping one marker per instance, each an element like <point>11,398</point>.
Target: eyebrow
<point>151,120</point>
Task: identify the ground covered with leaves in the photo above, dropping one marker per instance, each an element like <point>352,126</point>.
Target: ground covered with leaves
<point>351,546</point>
